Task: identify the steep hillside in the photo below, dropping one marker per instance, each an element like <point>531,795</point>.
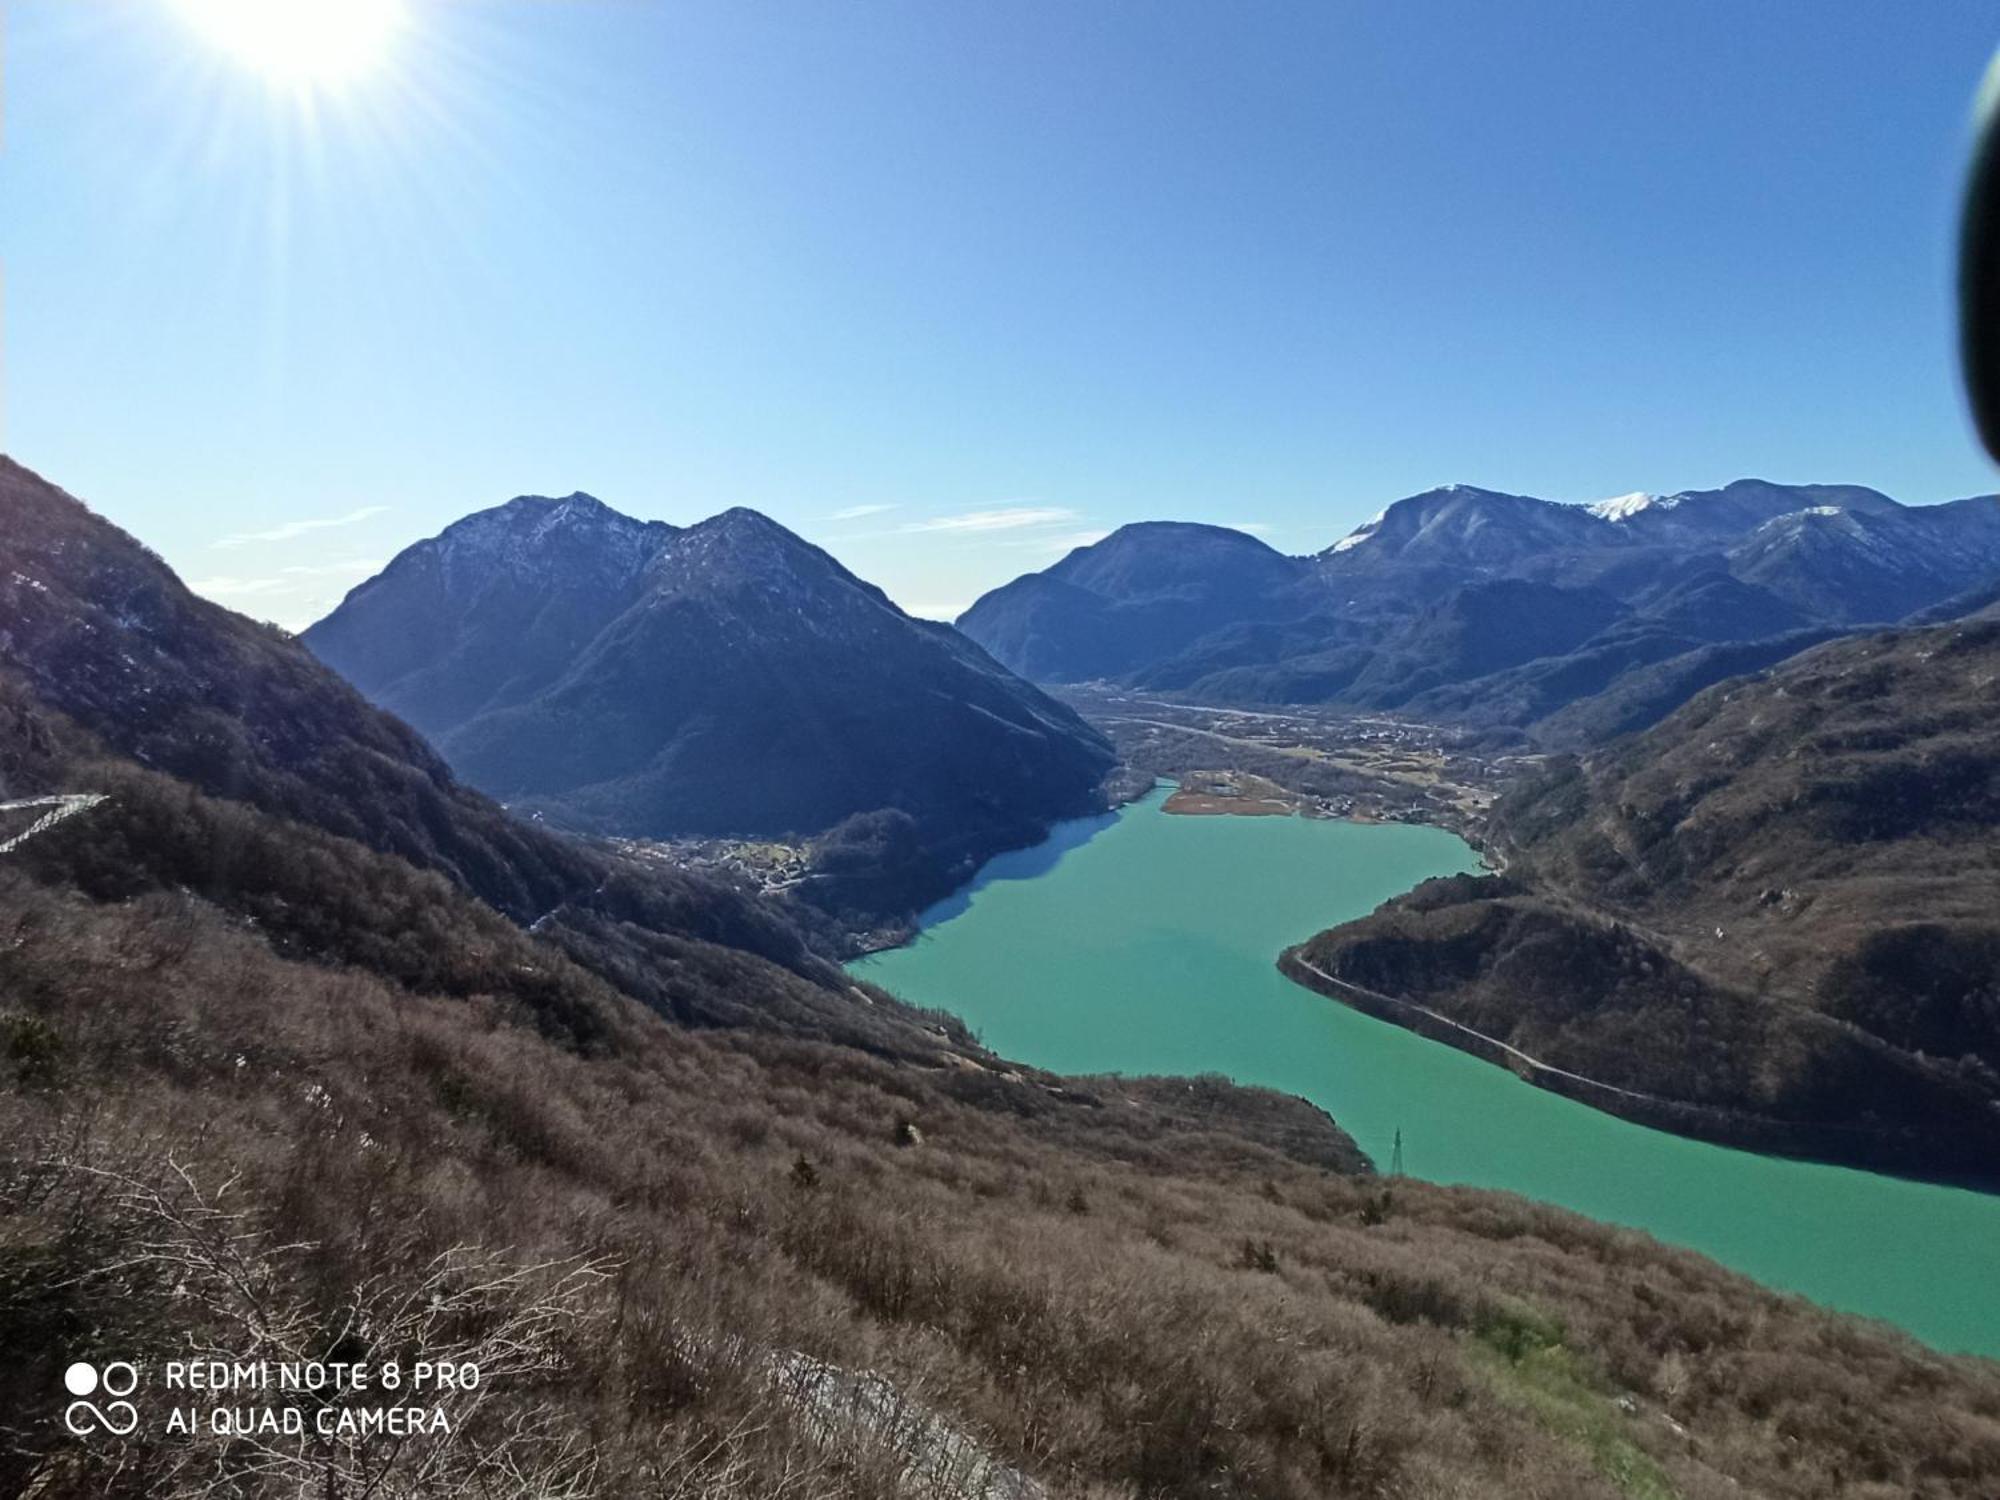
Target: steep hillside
<point>96,633</point>
<point>1778,911</point>
<point>727,678</point>
<point>103,631</point>
<point>272,1092</point>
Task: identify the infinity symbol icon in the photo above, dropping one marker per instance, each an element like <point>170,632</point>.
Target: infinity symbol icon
<point>108,1417</point>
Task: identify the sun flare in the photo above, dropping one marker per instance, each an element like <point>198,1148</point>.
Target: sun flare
<point>302,43</point>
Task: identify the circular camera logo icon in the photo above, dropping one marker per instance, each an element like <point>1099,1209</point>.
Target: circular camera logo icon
<point>117,1417</point>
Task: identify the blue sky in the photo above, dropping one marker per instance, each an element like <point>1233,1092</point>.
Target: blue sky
<point>948,287</point>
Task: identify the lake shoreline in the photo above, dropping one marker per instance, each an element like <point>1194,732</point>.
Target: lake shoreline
<point>1858,1148</point>
<point>1146,945</point>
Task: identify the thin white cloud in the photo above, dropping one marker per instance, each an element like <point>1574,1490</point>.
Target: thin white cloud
<point>239,588</point>
<point>291,529</point>
<point>1255,528</point>
<point>295,579</point>
<point>856,512</point>
<point>1012,518</point>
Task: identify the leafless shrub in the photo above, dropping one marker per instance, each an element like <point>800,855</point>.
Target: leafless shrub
<point>237,1299</point>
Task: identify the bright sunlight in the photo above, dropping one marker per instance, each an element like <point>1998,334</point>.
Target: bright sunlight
<point>302,43</point>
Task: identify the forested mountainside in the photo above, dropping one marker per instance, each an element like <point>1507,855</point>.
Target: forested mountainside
<point>726,678</point>
<point>276,1082</point>
<point>1778,911</point>
<point>1496,611</point>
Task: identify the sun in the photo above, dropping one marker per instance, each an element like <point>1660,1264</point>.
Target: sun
<point>300,43</point>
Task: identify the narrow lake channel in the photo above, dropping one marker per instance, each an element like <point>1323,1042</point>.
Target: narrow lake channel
<point>1143,942</point>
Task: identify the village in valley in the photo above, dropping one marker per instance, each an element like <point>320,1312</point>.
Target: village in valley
<point>1298,761</point>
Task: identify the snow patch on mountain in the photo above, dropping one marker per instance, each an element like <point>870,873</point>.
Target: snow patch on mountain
<point>1362,532</point>
<point>516,541</point>
<point>1623,507</point>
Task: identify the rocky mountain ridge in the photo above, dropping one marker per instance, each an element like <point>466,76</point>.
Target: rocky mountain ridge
<point>1750,562</point>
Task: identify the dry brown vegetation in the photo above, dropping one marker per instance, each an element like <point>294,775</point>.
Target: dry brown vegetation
<point>276,1076</point>
<point>1776,908</point>
<point>1107,1294</point>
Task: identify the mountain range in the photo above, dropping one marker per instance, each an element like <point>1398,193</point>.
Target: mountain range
<point>1493,610</point>
<point>725,678</point>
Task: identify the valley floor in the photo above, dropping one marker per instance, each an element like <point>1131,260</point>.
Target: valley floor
<point>1314,762</point>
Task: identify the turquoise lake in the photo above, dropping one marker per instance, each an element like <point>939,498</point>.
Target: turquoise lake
<point>1143,942</point>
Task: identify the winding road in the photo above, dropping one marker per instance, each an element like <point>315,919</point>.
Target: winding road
<point>1534,1064</point>
<point>59,808</point>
